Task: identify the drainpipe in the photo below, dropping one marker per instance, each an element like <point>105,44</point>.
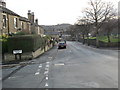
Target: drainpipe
<point>8,24</point>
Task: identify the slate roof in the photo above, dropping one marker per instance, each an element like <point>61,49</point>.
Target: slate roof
<point>51,33</point>
<point>8,11</point>
<point>24,19</point>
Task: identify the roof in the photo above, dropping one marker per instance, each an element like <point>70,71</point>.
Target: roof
<point>8,11</point>
<point>24,19</point>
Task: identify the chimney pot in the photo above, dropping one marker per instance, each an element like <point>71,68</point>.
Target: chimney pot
<point>32,13</point>
<point>36,21</point>
<point>29,11</point>
<point>2,3</point>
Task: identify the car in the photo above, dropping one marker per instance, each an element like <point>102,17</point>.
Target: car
<point>62,45</point>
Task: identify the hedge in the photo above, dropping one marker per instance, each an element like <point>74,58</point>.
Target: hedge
<point>26,43</point>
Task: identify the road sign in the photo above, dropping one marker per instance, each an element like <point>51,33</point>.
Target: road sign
<point>17,51</point>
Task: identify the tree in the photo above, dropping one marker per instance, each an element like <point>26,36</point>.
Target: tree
<point>97,13</point>
<point>80,31</point>
<point>84,22</point>
<point>108,26</point>
<point>71,31</point>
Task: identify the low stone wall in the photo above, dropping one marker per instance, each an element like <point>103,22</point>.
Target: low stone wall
<point>101,44</point>
<point>37,52</point>
<point>27,55</point>
<point>11,57</point>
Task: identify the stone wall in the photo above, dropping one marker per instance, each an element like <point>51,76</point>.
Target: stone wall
<point>27,55</point>
<point>101,44</point>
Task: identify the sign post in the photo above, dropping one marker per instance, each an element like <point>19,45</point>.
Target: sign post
<point>17,52</point>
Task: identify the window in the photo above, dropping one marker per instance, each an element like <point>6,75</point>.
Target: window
<point>22,24</point>
<point>38,30</point>
<point>4,21</point>
<point>15,22</point>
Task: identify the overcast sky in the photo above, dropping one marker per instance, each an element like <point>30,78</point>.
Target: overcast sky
<point>51,12</point>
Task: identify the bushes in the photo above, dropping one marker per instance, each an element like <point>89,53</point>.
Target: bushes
<point>21,33</point>
<point>26,43</point>
<point>3,44</point>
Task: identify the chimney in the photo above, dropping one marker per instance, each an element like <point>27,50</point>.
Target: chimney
<point>36,21</point>
<point>32,17</point>
<point>29,15</point>
<point>2,3</point>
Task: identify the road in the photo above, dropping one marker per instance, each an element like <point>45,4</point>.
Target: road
<point>78,66</point>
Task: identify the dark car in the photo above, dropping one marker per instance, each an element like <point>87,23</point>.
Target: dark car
<point>62,45</point>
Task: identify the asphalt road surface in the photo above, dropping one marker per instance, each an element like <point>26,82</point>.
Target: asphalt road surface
<point>78,66</point>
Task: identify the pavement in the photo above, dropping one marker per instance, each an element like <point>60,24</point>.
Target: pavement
<point>78,66</point>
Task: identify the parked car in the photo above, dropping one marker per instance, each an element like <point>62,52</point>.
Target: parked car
<point>62,44</point>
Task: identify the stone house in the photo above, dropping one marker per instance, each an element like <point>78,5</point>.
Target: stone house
<point>25,25</point>
<point>35,27</point>
<point>10,21</point>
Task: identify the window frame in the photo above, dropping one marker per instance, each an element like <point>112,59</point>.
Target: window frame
<point>15,22</point>
<point>4,21</point>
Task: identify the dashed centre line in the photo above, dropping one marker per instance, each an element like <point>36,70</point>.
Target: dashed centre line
<point>46,85</point>
<point>47,69</point>
<point>37,73</point>
<point>46,72</point>
<point>47,65</point>
<point>46,78</point>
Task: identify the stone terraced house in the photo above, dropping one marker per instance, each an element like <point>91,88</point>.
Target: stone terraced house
<point>11,22</point>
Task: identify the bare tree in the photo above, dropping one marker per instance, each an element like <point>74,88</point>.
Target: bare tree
<point>109,26</point>
<point>80,31</point>
<point>97,13</point>
<point>71,31</point>
<point>84,22</point>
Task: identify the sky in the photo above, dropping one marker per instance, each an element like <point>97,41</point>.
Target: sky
<point>51,12</point>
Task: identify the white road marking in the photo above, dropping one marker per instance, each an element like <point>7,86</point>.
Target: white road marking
<point>46,78</point>
<point>37,73</point>
<point>40,65</point>
<point>46,72</point>
<point>46,85</point>
<point>59,64</point>
<point>47,69</point>
<point>50,57</point>
<point>11,77</point>
<point>47,62</point>
<point>47,65</point>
